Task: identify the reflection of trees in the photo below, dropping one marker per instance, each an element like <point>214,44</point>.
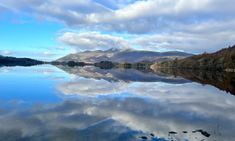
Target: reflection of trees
<point>121,74</point>
<point>224,81</point>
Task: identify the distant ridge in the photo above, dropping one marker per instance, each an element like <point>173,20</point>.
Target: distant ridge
<point>116,55</point>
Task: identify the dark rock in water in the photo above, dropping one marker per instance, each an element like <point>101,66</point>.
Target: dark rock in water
<point>204,133</point>
<point>144,137</point>
<point>185,132</point>
<point>172,132</point>
<point>152,134</point>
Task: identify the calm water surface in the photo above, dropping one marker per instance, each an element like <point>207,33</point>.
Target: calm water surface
<point>74,104</point>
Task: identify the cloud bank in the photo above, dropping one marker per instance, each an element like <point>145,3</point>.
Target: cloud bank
<point>92,41</point>
<point>187,25</point>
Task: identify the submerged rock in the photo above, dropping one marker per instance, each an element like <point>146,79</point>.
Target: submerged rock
<point>204,133</point>
<point>152,134</point>
<point>172,132</point>
<point>144,137</point>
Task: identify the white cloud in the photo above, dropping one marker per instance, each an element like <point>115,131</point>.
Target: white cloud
<point>189,42</point>
<point>129,18</point>
<point>194,41</point>
<point>69,12</point>
<point>92,41</point>
<point>153,15</point>
<point>188,25</point>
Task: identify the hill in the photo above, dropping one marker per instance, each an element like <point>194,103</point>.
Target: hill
<point>13,61</point>
<point>120,56</point>
<point>222,60</point>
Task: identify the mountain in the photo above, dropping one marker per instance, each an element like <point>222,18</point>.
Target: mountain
<point>222,60</point>
<point>13,61</point>
<point>120,56</point>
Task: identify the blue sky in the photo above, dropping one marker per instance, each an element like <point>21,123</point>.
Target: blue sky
<point>28,37</point>
<point>48,29</point>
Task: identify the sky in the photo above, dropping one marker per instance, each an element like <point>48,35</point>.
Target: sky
<point>49,29</point>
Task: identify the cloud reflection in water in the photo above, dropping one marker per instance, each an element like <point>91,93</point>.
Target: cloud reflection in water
<point>124,110</point>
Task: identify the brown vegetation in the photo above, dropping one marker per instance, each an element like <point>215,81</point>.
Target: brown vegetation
<point>223,60</point>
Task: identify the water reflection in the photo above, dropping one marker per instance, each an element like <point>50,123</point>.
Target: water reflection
<point>120,118</point>
<point>126,75</point>
<point>93,81</point>
<point>117,105</point>
<point>224,81</point>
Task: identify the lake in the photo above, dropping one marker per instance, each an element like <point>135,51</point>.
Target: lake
<point>61,103</point>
